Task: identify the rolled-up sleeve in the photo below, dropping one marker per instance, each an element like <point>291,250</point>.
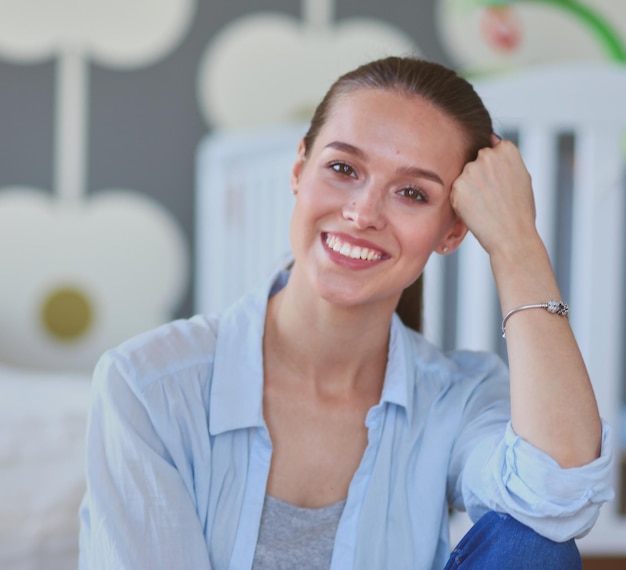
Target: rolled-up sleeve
<point>512,476</point>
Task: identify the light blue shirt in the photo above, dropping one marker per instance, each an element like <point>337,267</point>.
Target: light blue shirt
<point>178,454</point>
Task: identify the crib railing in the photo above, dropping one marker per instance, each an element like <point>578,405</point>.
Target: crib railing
<point>570,125</point>
<point>243,207</point>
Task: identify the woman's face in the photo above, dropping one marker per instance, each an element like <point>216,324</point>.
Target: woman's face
<point>372,196</point>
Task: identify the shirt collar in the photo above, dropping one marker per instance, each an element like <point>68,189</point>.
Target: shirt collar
<point>237,385</point>
<point>400,372</point>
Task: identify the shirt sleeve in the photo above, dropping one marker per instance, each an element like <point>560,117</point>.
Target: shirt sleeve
<point>517,478</point>
<point>495,469</point>
<point>138,512</point>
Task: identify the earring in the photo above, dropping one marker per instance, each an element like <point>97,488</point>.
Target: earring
<point>444,249</point>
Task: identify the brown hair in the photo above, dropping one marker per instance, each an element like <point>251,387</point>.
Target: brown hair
<point>438,85</point>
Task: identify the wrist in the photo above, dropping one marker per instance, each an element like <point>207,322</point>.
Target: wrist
<point>513,255</point>
<point>524,275</point>
<point>553,307</point>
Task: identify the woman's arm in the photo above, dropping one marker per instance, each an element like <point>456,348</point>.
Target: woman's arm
<point>138,511</point>
<point>553,406</point>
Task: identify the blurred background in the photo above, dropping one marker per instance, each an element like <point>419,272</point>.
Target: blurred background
<point>106,108</point>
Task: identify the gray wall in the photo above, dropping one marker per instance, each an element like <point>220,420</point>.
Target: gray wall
<point>145,124</point>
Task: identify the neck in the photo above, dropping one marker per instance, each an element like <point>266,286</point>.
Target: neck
<point>342,348</point>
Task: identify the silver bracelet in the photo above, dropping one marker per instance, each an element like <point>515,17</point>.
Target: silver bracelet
<point>552,306</point>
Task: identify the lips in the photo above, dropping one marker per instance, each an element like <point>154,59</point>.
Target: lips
<point>353,249</point>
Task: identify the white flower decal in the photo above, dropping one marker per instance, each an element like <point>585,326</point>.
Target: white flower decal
<point>115,32</point>
<point>271,68</point>
<point>84,273</point>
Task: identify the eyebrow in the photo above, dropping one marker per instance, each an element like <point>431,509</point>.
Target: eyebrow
<point>416,172</point>
<point>412,171</point>
<point>347,147</point>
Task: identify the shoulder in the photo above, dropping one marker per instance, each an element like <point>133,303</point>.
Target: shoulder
<point>457,368</point>
<point>458,386</point>
<point>177,350</point>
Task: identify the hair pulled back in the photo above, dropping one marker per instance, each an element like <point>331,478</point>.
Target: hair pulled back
<point>411,76</point>
<point>434,83</point>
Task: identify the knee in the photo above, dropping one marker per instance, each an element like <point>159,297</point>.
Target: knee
<point>499,541</point>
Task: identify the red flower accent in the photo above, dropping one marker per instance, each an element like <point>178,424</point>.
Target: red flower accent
<point>501,27</point>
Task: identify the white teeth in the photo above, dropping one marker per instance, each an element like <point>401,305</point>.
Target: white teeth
<point>353,252</point>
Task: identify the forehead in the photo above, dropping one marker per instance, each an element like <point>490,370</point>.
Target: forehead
<point>383,119</point>
<point>368,103</point>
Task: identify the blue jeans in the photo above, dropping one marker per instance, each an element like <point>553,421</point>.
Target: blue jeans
<point>499,542</point>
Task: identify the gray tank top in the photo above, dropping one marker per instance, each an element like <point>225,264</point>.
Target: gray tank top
<point>296,537</point>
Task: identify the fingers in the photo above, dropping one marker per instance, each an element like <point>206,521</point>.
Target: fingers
<point>493,196</point>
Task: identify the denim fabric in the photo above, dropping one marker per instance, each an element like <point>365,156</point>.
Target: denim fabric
<point>499,542</point>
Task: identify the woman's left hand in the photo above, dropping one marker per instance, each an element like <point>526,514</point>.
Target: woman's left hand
<point>493,196</point>
<point>552,401</point>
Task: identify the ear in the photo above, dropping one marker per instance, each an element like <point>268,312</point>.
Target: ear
<point>453,237</point>
<point>296,170</point>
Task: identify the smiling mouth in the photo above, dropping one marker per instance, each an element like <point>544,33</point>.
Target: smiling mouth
<point>351,251</point>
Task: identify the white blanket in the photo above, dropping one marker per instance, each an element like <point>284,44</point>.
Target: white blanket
<point>42,427</point>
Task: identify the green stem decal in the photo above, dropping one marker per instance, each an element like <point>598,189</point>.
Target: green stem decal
<point>606,35</point>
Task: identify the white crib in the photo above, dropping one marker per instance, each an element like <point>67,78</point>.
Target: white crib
<point>570,124</point>
<point>581,212</point>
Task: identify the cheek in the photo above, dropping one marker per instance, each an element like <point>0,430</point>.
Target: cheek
<point>316,200</point>
<point>296,227</point>
<point>304,220</point>
<point>422,245</point>
<point>426,232</point>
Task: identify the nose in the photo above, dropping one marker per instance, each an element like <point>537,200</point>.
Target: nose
<point>365,209</point>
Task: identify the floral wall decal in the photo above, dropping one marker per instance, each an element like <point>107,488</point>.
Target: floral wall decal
<point>592,19</point>
<point>486,35</point>
<point>84,273</point>
<point>246,62</point>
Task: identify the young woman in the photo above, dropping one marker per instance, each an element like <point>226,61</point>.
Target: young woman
<point>307,426</point>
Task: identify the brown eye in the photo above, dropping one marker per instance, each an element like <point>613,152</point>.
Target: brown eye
<point>343,168</point>
<point>414,194</point>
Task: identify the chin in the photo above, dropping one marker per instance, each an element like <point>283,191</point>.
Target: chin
<point>353,296</point>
